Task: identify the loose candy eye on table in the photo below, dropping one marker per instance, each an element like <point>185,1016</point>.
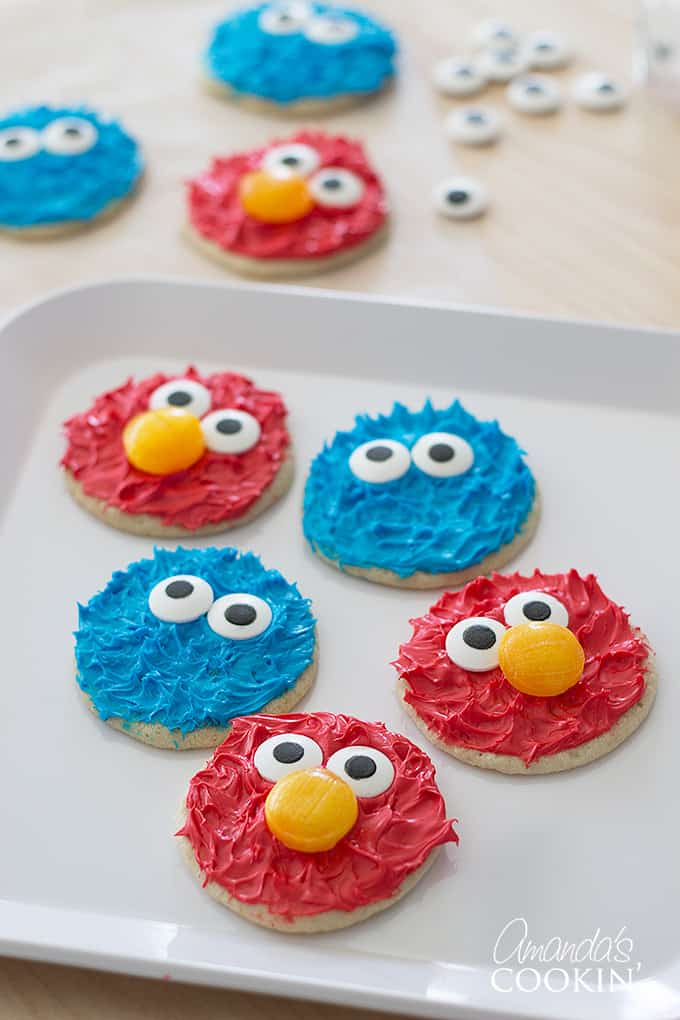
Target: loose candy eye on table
<point>474,125</point>
<point>461,198</point>
<point>535,93</point>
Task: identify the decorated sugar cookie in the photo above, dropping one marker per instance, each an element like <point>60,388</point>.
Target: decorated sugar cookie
<point>301,205</point>
<point>177,455</point>
<point>420,499</point>
<point>63,168</point>
<point>307,823</point>
<point>527,674</point>
<point>175,646</point>
<point>299,58</point>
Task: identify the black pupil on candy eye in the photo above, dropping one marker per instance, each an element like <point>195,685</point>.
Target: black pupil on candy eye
<point>476,118</point>
<point>457,197</point>
<point>544,46</point>
<point>179,589</point>
<point>441,452</point>
<point>290,160</point>
<point>180,398</point>
<point>332,183</point>
<point>228,426</point>
<point>240,614</point>
<point>360,766</point>
<point>464,72</point>
<point>605,86</point>
<point>14,140</point>
<point>288,752</point>
<point>536,610</point>
<point>534,87</point>
<point>72,132</point>
<point>378,453</point>
<point>478,636</point>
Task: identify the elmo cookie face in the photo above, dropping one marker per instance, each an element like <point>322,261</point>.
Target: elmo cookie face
<point>179,455</point>
<point>420,499</point>
<point>61,168</point>
<point>175,646</point>
<point>527,674</point>
<point>313,822</point>
<point>299,57</point>
<point>297,206</point>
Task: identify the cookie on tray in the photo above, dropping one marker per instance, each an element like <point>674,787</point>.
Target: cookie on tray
<point>420,499</point>
<point>527,675</point>
<point>301,205</point>
<point>62,169</point>
<point>175,456</point>
<point>175,646</point>
<point>299,58</point>
<point>306,823</point>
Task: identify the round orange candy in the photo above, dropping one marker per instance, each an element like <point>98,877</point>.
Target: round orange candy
<point>275,199</point>
<point>543,659</point>
<point>310,810</point>
<point>163,441</point>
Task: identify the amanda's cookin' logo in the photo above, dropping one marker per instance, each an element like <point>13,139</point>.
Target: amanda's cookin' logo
<point>598,963</point>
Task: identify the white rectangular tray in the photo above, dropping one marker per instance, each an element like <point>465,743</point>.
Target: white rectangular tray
<point>90,873</point>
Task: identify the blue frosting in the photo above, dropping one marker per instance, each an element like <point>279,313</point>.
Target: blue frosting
<point>285,68</point>
<point>418,522</point>
<point>184,675</point>
<point>49,188</point>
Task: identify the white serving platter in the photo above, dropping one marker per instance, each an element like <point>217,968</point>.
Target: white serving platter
<point>90,872</point>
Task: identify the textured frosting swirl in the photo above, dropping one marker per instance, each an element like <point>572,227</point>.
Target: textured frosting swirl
<point>394,834</point>
<point>418,522</point>
<point>483,712</point>
<point>185,676</point>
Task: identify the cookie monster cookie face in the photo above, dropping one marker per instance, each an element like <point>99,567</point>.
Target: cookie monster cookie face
<point>300,57</point>
<point>177,645</point>
<point>419,498</point>
<point>312,822</point>
<point>62,167</point>
<point>527,674</point>
<point>176,455</point>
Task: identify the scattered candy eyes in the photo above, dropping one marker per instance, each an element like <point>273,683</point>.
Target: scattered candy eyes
<point>180,599</point>
<point>493,32</point>
<point>597,91</point>
<point>547,50</point>
<point>366,770</point>
<point>460,198</point>
<point>239,616</point>
<point>336,188</point>
<point>284,18</point>
<point>289,752</point>
<point>457,77</point>
<point>473,125</point>
<point>230,431</point>
<point>69,136</point>
<point>535,93</point>
<point>501,65</point>
<point>473,644</point>
<point>184,394</point>
<point>535,607</point>
<point>289,159</point>
<point>331,31</point>
<point>18,143</point>
<point>442,454</point>
<point>379,461</point>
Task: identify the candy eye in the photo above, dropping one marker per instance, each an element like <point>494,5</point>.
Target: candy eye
<point>474,125</point>
<point>289,752</point>
<point>331,31</point>
<point>460,198</point>
<point>535,94</point>
<point>442,454</point>
<point>180,599</point>
<point>493,32</point>
<point>457,77</point>
<point>547,50</point>
<point>473,643</point>
<point>18,143</point>
<point>69,136</point>
<point>535,607</point>
<point>596,91</point>
<point>184,394</point>
<point>239,616</point>
<point>366,771</point>
<point>230,431</point>
<point>286,160</point>
<point>502,64</point>
<point>380,460</point>
<point>336,188</point>
<point>284,19</point>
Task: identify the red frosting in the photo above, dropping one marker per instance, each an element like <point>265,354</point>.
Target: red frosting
<point>215,209</point>
<point>219,487</point>
<point>483,712</point>
<point>393,835</point>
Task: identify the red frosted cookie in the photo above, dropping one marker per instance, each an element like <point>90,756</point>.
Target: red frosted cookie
<point>527,674</point>
<point>178,455</point>
<point>299,205</point>
<point>309,822</point>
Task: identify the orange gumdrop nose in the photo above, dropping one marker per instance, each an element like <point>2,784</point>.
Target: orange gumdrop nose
<point>310,810</point>
<point>163,441</point>
<point>272,199</point>
<point>542,659</point>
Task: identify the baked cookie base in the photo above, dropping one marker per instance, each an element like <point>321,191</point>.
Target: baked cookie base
<point>53,231</point>
<point>297,108</point>
<point>455,579</point>
<point>562,761</point>
<point>275,269</point>
<point>150,526</point>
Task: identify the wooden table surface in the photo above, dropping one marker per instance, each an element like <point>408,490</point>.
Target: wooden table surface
<point>585,217</point>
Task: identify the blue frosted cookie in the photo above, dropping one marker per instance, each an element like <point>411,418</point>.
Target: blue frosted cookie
<point>420,499</point>
<point>176,646</point>
<point>298,57</point>
<point>62,168</point>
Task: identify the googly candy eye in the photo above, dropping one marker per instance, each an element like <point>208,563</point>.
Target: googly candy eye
<point>239,616</point>
<point>69,136</point>
<point>180,599</point>
<point>457,77</point>
<point>535,607</point>
<point>331,30</point>
<point>473,125</point>
<point>366,770</point>
<point>293,158</point>
<point>230,431</point>
<point>288,752</point>
<point>18,143</point>
<point>500,65</point>
<point>442,454</point>
<point>535,93</point>
<point>473,644</point>
<point>493,32</point>
<point>547,50</point>
<point>461,198</point>
<point>184,394</point>
<point>284,18</point>
<point>598,91</point>
<point>336,188</point>
<point>379,461</point>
